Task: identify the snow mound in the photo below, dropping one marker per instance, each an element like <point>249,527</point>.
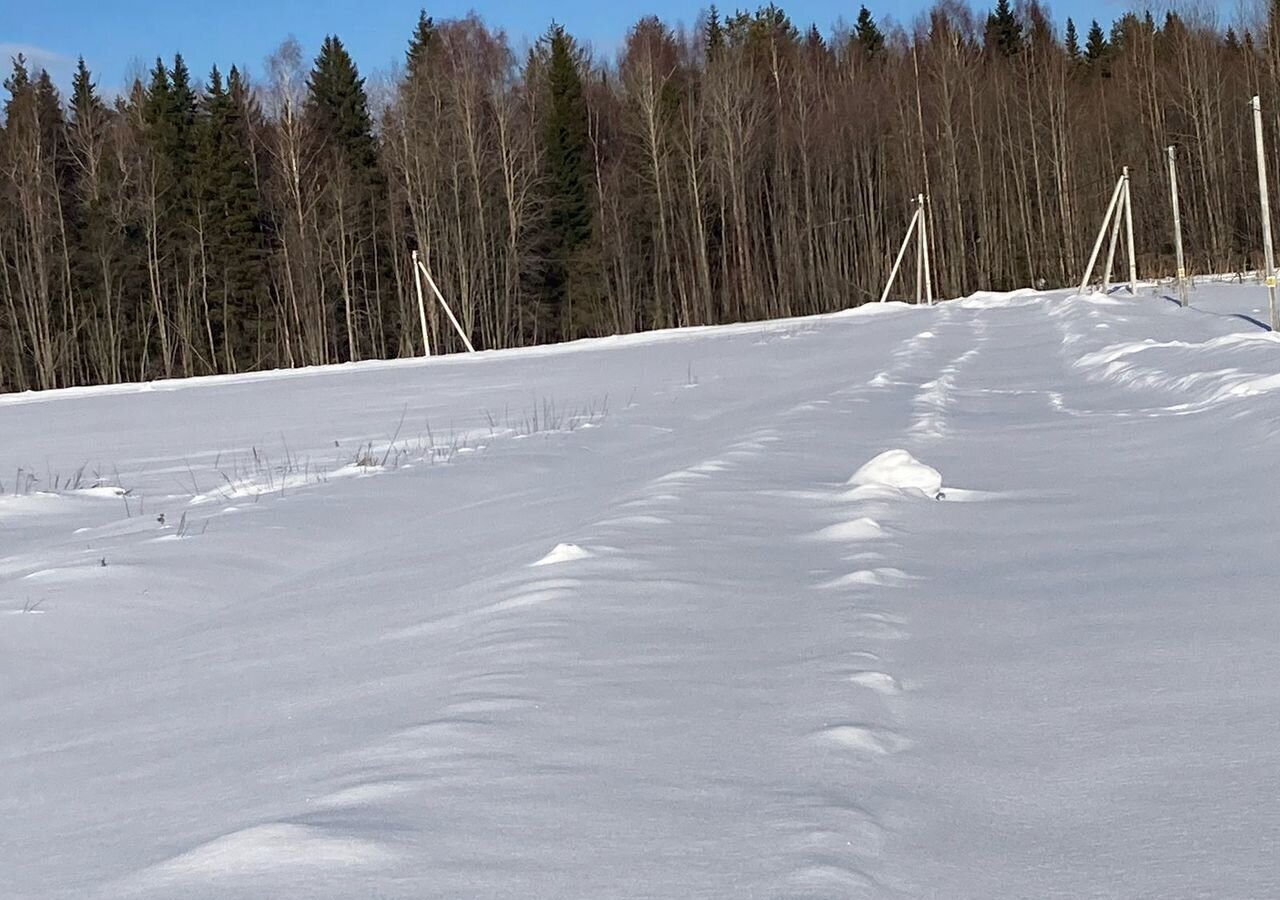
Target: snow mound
<point>262,848</point>
<point>563,553</point>
<point>899,469</point>
<point>998,300</point>
<point>880,682</point>
<point>866,739</point>
<point>861,529</point>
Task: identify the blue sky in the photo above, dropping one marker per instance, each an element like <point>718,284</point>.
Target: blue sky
<point>117,37</point>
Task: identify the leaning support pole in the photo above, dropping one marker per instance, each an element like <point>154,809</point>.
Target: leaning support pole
<point>902,251</point>
<point>1177,224</point>
<point>452,318</point>
<point>1128,229</point>
<point>1111,247</point>
<point>422,309</point>
<point>1267,248</point>
<point>1102,233</point>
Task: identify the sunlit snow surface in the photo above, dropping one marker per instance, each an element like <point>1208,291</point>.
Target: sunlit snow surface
<point>616,619</point>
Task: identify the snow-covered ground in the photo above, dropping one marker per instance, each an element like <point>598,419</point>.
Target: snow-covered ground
<point>654,617</point>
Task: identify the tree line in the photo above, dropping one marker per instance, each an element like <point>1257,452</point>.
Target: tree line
<point>743,169</point>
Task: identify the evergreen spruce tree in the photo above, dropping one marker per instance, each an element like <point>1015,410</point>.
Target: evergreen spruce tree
<point>53,127</point>
<point>1096,48</point>
<point>813,40</point>
<point>566,272</point>
<point>713,38</point>
<point>17,84</point>
<point>164,135</point>
<point>1072,42</point>
<point>86,211</point>
<point>181,135</point>
<point>85,103</point>
<point>247,227</point>
<point>868,35</point>
<point>169,116</point>
<point>1004,30</point>
<point>772,24</point>
<point>157,102</point>
<point>231,218</point>
<point>420,47</point>
<point>337,109</point>
<point>184,105</point>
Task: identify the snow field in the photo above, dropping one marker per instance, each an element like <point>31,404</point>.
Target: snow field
<point>724,642</point>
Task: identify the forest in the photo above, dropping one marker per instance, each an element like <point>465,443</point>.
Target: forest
<point>744,168</point>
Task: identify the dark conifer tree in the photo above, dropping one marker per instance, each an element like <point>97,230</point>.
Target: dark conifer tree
<point>420,46</point>
<point>16,84</point>
<point>53,128</point>
<point>566,272</point>
<point>86,204</point>
<point>337,110</point>
<point>1072,42</point>
<point>231,223</point>
<point>247,228</point>
<point>868,35</point>
<point>813,40</point>
<point>1004,30</point>
<point>713,39</point>
<point>1096,47</point>
<point>180,135</point>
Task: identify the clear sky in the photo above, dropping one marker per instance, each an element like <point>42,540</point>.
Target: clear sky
<point>118,37</point>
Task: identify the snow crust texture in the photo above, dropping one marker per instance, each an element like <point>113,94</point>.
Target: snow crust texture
<point>612,619</point>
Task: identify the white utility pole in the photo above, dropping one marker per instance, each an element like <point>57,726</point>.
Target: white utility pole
<point>1267,248</point>
<point>422,310</point>
<point>1128,228</point>
<point>919,254</point>
<point>1177,224</point>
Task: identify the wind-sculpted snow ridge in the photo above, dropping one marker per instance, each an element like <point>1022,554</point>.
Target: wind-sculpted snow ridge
<point>413,630</point>
<point>1218,369</point>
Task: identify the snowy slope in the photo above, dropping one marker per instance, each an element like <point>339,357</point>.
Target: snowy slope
<point>635,617</point>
